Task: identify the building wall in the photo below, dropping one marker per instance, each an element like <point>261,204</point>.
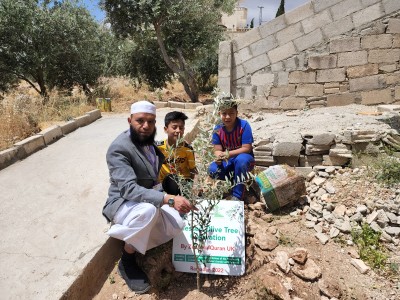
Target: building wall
<point>324,53</point>
<point>238,20</point>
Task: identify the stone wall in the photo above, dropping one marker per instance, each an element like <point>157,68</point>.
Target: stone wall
<point>324,53</point>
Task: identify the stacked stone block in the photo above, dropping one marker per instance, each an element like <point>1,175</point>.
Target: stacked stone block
<point>324,53</point>
<point>322,148</point>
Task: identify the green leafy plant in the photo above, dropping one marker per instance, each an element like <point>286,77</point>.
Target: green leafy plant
<point>341,240</point>
<point>387,170</point>
<point>393,268</point>
<point>285,240</point>
<point>370,249</point>
<point>203,191</point>
<point>111,279</point>
<point>384,168</point>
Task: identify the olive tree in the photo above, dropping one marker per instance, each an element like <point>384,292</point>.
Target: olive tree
<point>183,31</point>
<point>51,44</point>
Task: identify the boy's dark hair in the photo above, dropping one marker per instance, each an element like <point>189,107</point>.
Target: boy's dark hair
<point>174,115</point>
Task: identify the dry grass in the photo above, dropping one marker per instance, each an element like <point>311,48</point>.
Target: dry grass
<point>123,92</point>
<point>22,112</point>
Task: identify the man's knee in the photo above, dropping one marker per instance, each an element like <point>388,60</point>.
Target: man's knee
<point>148,210</point>
<point>144,213</point>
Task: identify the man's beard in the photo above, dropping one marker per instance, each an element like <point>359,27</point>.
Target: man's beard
<point>141,140</point>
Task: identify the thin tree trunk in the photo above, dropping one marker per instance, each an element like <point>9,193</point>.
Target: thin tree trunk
<point>42,86</point>
<point>185,74</point>
<point>192,88</point>
<point>29,82</point>
<point>194,252</point>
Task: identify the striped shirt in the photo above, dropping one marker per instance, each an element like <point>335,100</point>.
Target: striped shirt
<point>234,139</point>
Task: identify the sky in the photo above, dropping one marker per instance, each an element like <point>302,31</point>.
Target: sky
<point>253,11</point>
<point>269,9</point>
<point>93,7</point>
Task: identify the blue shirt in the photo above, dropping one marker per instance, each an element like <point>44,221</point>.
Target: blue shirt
<point>234,139</point>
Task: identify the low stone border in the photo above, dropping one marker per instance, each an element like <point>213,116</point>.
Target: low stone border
<point>176,104</point>
<point>34,143</point>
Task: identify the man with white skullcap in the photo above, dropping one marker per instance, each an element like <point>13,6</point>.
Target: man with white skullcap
<point>142,215</point>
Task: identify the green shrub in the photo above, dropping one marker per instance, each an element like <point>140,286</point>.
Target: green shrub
<point>370,249</point>
<point>388,170</point>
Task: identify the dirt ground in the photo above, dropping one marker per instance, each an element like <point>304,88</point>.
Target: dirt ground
<point>332,258</point>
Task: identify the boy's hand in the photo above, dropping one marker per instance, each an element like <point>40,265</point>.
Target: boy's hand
<point>221,155</point>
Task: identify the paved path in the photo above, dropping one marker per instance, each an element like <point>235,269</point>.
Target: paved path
<point>51,205</point>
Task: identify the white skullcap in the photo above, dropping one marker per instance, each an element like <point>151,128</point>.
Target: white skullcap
<point>143,107</point>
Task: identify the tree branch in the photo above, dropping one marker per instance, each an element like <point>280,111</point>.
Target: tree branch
<point>20,76</point>
<point>184,65</point>
<point>173,66</point>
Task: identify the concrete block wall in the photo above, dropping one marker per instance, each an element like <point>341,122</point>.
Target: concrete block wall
<point>324,53</point>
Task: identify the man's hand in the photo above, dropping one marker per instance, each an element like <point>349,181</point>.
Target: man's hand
<point>183,205</point>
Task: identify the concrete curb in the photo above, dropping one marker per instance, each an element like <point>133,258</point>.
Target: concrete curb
<point>176,104</point>
<point>93,276</point>
<point>44,138</point>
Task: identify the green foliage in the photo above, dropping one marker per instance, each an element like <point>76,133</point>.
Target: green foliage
<point>7,81</point>
<point>111,279</point>
<point>393,268</point>
<point>383,168</point>
<point>388,171</point>
<point>52,44</point>
<point>204,192</point>
<point>144,64</point>
<point>205,68</point>
<point>77,47</point>
<point>285,240</point>
<point>183,31</point>
<point>370,249</point>
<point>341,240</point>
<point>281,9</point>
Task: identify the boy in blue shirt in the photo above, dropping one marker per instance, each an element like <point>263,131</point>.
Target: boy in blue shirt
<point>233,149</point>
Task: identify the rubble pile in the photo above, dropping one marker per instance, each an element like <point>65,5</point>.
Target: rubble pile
<point>330,212</point>
<point>338,201</point>
<point>281,265</point>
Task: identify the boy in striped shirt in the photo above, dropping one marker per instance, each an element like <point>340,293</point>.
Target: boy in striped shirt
<point>233,148</point>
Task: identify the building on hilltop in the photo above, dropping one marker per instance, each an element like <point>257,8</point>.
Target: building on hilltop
<point>235,23</point>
